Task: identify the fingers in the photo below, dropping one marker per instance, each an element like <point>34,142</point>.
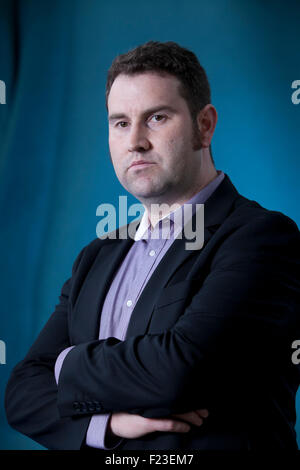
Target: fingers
<point>132,426</point>
<point>204,413</point>
<point>182,423</point>
<point>193,417</point>
<point>190,417</point>
<point>170,425</point>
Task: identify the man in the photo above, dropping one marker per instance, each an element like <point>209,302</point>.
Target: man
<point>153,345</point>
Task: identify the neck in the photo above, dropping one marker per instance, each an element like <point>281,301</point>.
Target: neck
<point>157,210</point>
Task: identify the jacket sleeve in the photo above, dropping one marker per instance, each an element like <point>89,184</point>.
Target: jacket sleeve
<point>31,392</point>
<point>235,334</point>
<point>96,432</point>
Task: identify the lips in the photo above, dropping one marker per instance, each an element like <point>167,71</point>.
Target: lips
<point>140,164</point>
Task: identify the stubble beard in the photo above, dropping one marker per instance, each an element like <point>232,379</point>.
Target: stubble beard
<point>197,140</point>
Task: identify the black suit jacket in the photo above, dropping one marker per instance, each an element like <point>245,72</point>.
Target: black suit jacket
<point>212,329</point>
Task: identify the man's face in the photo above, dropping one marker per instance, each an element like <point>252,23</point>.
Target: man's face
<point>151,137</point>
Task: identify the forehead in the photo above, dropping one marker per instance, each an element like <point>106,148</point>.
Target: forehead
<point>143,90</point>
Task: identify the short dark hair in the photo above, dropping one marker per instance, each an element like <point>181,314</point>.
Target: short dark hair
<point>170,58</point>
<point>166,58</point>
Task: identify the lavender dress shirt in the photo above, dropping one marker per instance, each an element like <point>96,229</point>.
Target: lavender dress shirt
<point>136,269</point>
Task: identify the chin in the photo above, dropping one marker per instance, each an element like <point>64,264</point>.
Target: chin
<point>143,195</point>
<point>144,191</point>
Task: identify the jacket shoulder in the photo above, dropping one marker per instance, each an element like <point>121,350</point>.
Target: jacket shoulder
<point>254,234</point>
<point>251,213</point>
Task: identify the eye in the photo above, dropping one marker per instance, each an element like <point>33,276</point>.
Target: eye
<point>121,124</point>
<point>157,117</point>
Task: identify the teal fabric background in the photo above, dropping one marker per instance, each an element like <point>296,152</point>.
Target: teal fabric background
<point>54,164</point>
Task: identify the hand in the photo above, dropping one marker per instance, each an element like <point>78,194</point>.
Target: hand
<point>133,426</point>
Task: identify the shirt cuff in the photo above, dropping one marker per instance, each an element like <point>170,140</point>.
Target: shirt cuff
<point>96,432</point>
<point>59,362</point>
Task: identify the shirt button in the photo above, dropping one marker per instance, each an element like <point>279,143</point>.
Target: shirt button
<point>152,253</point>
<point>129,303</point>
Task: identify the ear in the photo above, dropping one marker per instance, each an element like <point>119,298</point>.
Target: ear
<point>207,120</point>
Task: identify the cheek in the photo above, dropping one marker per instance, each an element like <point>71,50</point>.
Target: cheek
<point>112,146</point>
<point>179,138</point>
<point>116,162</point>
<point>118,169</point>
<point>176,148</point>
<point>115,152</point>
<point>178,153</point>
<point>116,140</point>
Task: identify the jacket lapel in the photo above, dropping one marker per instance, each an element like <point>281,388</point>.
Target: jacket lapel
<point>95,287</point>
<point>111,255</point>
<point>216,210</point>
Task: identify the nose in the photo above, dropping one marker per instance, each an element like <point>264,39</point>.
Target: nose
<point>138,141</point>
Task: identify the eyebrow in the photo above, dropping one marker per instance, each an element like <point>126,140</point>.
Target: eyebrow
<point>155,109</point>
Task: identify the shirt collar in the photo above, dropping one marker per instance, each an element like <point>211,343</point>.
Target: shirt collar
<point>176,218</point>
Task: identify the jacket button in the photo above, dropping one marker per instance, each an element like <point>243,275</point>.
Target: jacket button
<point>98,406</point>
<point>83,407</point>
<point>90,406</point>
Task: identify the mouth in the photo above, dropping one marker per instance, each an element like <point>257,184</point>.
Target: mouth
<point>141,164</point>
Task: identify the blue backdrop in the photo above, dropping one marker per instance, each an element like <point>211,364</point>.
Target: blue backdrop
<point>54,164</point>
